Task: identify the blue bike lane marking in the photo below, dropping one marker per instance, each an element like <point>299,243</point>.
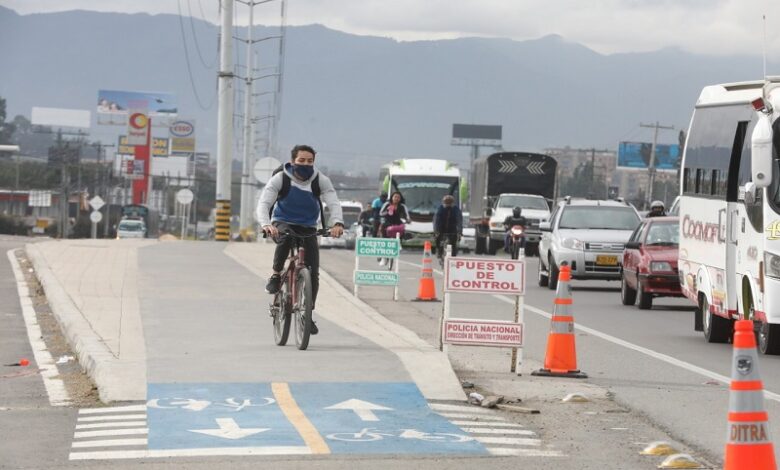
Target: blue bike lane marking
<point>197,416</point>
<point>379,418</point>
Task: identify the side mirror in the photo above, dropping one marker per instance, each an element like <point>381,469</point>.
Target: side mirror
<point>489,212</point>
<point>750,193</point>
<point>544,226</point>
<point>761,151</point>
<point>633,245</point>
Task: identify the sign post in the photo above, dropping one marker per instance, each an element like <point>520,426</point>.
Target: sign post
<point>484,276</point>
<point>96,203</point>
<point>369,247</point>
<point>184,197</point>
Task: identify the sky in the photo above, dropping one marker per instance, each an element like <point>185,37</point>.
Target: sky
<point>716,27</point>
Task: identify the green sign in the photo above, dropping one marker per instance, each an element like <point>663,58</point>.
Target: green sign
<point>378,247</point>
<point>376,278</point>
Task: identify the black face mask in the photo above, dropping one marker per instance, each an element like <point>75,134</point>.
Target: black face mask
<point>304,171</point>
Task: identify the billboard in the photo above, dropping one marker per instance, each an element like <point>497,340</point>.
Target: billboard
<point>159,146</point>
<point>121,102</point>
<point>636,155</point>
<point>59,117</point>
<point>476,134</point>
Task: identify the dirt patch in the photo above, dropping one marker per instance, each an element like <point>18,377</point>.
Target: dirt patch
<point>81,389</point>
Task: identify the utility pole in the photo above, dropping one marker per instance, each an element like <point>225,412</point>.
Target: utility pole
<point>224,124</point>
<point>247,188</point>
<point>651,166</point>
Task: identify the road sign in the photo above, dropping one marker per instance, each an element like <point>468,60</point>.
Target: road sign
<point>95,216</point>
<point>378,247</point>
<point>97,202</point>
<point>484,276</point>
<point>264,169</point>
<point>376,278</point>
<point>184,196</point>
<point>482,333</point>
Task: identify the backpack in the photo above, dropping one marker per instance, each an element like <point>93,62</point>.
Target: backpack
<point>315,190</point>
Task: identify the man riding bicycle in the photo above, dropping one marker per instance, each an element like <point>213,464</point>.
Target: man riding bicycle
<point>447,225</point>
<point>294,193</point>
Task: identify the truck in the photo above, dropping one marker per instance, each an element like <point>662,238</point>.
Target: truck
<point>150,218</point>
<point>423,182</point>
<point>526,179</point>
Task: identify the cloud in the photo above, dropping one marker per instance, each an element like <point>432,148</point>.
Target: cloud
<point>717,27</point>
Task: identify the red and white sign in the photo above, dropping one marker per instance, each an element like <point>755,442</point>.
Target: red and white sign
<point>137,128</point>
<point>483,333</point>
<point>485,276</point>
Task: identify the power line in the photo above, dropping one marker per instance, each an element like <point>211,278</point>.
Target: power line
<point>195,39</point>
<point>189,66</point>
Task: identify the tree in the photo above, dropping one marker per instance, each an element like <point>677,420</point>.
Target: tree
<point>6,128</point>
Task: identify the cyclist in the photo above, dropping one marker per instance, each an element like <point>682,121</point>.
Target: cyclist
<point>515,219</point>
<point>394,215</point>
<point>657,209</point>
<point>291,202</point>
<point>447,225</point>
<point>376,207</point>
<point>365,220</point>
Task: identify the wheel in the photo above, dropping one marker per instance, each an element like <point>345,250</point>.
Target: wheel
<point>302,309</point>
<point>480,247</point>
<point>389,264</point>
<point>552,284</point>
<point>645,299</point>
<point>515,250</point>
<point>769,338</point>
<point>529,249</point>
<point>541,279</point>
<point>716,329</point>
<point>627,294</point>
<point>281,316</point>
<point>492,246</point>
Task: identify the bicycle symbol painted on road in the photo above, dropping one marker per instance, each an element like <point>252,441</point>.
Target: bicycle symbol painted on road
<point>192,404</point>
<point>370,435</point>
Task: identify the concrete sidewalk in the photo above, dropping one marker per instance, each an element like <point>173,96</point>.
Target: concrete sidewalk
<point>163,312</point>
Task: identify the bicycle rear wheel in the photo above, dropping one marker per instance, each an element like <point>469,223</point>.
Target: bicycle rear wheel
<point>281,317</point>
<point>302,309</point>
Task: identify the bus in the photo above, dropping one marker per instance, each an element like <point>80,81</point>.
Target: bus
<point>423,183</point>
<point>729,209</point>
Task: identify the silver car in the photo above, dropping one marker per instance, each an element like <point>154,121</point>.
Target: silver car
<point>587,235</point>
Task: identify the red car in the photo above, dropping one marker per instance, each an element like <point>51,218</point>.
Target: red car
<point>650,262</point>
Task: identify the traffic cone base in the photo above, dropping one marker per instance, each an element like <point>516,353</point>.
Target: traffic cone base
<point>427,289</point>
<point>560,359</point>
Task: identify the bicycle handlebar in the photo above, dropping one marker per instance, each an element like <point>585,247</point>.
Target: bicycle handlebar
<point>323,232</point>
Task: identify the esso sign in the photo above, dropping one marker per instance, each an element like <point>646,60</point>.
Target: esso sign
<point>182,129</point>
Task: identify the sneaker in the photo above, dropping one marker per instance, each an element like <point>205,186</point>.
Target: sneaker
<point>274,282</point>
<point>314,329</point>
<point>382,262</point>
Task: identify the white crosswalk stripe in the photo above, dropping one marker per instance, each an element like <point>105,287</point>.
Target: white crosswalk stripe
<point>500,437</point>
<point>118,428</point>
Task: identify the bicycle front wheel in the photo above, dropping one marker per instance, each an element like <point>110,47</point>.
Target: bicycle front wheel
<point>302,309</point>
<point>281,317</point>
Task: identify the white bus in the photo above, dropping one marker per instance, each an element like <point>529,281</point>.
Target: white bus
<point>423,183</point>
<point>729,209</point>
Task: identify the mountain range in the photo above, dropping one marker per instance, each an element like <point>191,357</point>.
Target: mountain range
<point>364,100</point>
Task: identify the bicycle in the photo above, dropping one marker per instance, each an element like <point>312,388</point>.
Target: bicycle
<point>294,298</point>
<point>442,241</point>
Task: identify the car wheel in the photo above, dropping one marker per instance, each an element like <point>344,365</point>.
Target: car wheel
<point>769,338</point>
<point>492,246</point>
<point>480,245</point>
<point>541,278</point>
<point>552,284</point>
<point>645,299</point>
<point>716,329</point>
<point>627,294</point>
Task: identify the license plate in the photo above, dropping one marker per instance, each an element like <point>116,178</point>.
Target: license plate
<point>605,260</point>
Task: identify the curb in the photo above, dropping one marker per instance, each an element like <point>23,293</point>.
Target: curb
<point>95,358</point>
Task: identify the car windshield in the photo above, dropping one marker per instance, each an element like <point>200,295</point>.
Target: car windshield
<point>350,214</point>
<point>423,194</point>
<point>599,217</point>
<point>663,234</point>
<point>131,227</point>
<point>525,202</point>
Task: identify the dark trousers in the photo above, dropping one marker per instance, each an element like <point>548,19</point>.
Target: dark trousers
<point>311,253</point>
<point>444,238</point>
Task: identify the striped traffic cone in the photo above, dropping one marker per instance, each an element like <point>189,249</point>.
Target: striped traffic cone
<point>561,357</point>
<point>749,446</point>
<point>427,288</point>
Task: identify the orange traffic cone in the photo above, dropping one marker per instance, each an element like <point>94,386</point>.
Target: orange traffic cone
<point>427,289</point>
<point>749,445</point>
<point>561,357</point>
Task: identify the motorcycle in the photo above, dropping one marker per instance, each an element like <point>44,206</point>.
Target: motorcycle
<point>516,240</point>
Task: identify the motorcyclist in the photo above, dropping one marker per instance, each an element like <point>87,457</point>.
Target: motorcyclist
<point>657,209</point>
<point>511,220</point>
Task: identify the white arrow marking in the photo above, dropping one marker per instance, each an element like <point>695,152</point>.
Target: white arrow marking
<point>363,409</point>
<point>229,429</point>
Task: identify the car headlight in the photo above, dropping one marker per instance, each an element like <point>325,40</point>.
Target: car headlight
<point>660,266</point>
<point>771,265</point>
<point>572,243</point>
